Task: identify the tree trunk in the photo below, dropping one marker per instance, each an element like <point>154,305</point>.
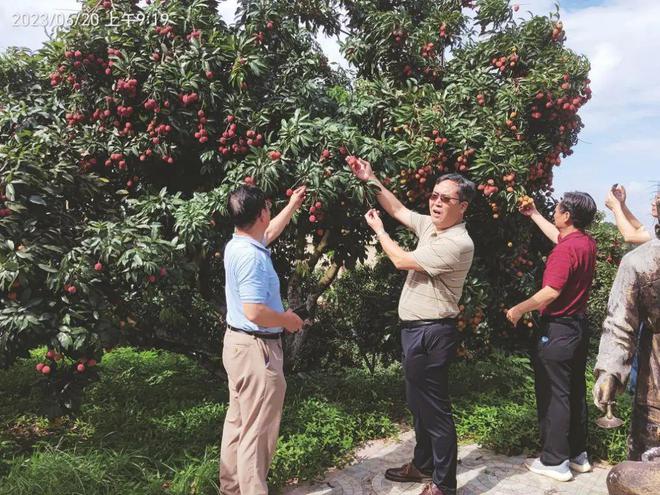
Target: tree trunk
<point>293,343</point>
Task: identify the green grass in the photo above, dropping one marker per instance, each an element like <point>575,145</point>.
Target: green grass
<point>152,424</point>
<point>153,421</point>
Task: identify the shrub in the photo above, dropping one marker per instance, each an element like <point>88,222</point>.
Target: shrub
<point>357,323</point>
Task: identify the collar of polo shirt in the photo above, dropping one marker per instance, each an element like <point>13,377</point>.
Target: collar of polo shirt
<point>252,241</point>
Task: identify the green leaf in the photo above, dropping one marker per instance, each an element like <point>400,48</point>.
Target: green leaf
<point>47,268</point>
<point>37,200</point>
<point>65,340</point>
<point>10,192</point>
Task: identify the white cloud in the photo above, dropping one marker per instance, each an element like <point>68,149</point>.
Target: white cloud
<point>635,145</point>
<point>622,40</point>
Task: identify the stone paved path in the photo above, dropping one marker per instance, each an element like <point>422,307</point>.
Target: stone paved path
<point>480,472</point>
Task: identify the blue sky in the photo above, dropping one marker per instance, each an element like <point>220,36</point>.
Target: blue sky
<point>621,38</point>
<point>621,137</point>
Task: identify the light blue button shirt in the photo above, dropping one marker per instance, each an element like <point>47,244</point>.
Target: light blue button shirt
<point>250,278</point>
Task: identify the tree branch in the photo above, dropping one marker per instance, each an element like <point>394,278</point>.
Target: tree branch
<point>325,282</point>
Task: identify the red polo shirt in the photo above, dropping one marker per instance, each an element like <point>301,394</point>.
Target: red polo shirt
<point>570,270</point>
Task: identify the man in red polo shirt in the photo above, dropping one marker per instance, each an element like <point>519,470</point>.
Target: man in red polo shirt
<point>559,355</point>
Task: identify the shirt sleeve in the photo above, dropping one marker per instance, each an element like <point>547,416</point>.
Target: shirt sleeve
<point>440,256</point>
<point>557,268</point>
<point>618,340</point>
<point>419,223</point>
<point>252,278</point>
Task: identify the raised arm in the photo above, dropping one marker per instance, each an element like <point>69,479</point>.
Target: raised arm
<point>630,228</point>
<point>390,203</point>
<point>547,227</point>
<point>277,224</point>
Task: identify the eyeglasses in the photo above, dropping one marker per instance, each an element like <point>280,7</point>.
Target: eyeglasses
<point>445,198</point>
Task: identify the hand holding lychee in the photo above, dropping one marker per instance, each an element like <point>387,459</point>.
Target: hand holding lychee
<point>361,168</point>
<point>514,315</point>
<point>373,220</point>
<point>619,193</point>
<point>527,206</point>
<point>612,201</point>
<point>297,197</point>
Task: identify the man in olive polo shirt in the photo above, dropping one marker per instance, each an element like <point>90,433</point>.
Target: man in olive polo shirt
<point>428,307</point>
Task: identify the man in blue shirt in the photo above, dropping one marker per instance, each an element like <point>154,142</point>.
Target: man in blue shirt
<point>252,351</point>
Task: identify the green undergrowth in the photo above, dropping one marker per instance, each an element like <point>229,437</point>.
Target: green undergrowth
<point>153,421</point>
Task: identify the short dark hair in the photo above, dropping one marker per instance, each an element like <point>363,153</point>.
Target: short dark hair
<point>245,204</point>
<point>466,188</point>
<point>581,206</point>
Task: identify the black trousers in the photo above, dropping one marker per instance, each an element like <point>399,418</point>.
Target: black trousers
<point>427,351</point>
<point>559,357</point>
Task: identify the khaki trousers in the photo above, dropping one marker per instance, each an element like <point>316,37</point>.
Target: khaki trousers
<point>256,394</point>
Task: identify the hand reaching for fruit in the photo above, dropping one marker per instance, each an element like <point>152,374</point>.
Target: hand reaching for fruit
<point>514,315</point>
<point>612,201</point>
<point>361,168</point>
<point>297,197</point>
<point>527,206</point>
<point>619,193</point>
<point>373,219</point>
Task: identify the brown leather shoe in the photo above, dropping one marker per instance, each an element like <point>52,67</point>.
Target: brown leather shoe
<point>407,473</point>
<point>432,489</point>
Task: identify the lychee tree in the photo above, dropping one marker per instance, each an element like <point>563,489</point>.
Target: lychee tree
<point>455,86</point>
<point>120,141</point>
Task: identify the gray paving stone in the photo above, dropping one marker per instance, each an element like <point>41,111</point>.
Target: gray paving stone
<point>480,472</point>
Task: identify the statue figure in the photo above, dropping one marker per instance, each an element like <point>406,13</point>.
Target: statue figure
<point>634,303</point>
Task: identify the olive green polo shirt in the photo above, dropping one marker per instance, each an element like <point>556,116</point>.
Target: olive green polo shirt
<point>446,257</point>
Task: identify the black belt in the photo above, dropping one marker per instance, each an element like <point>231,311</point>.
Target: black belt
<point>424,323</point>
<point>559,319</point>
<point>261,335</point>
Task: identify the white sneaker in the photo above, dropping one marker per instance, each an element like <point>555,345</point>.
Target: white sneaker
<point>559,473</point>
<point>580,463</point>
